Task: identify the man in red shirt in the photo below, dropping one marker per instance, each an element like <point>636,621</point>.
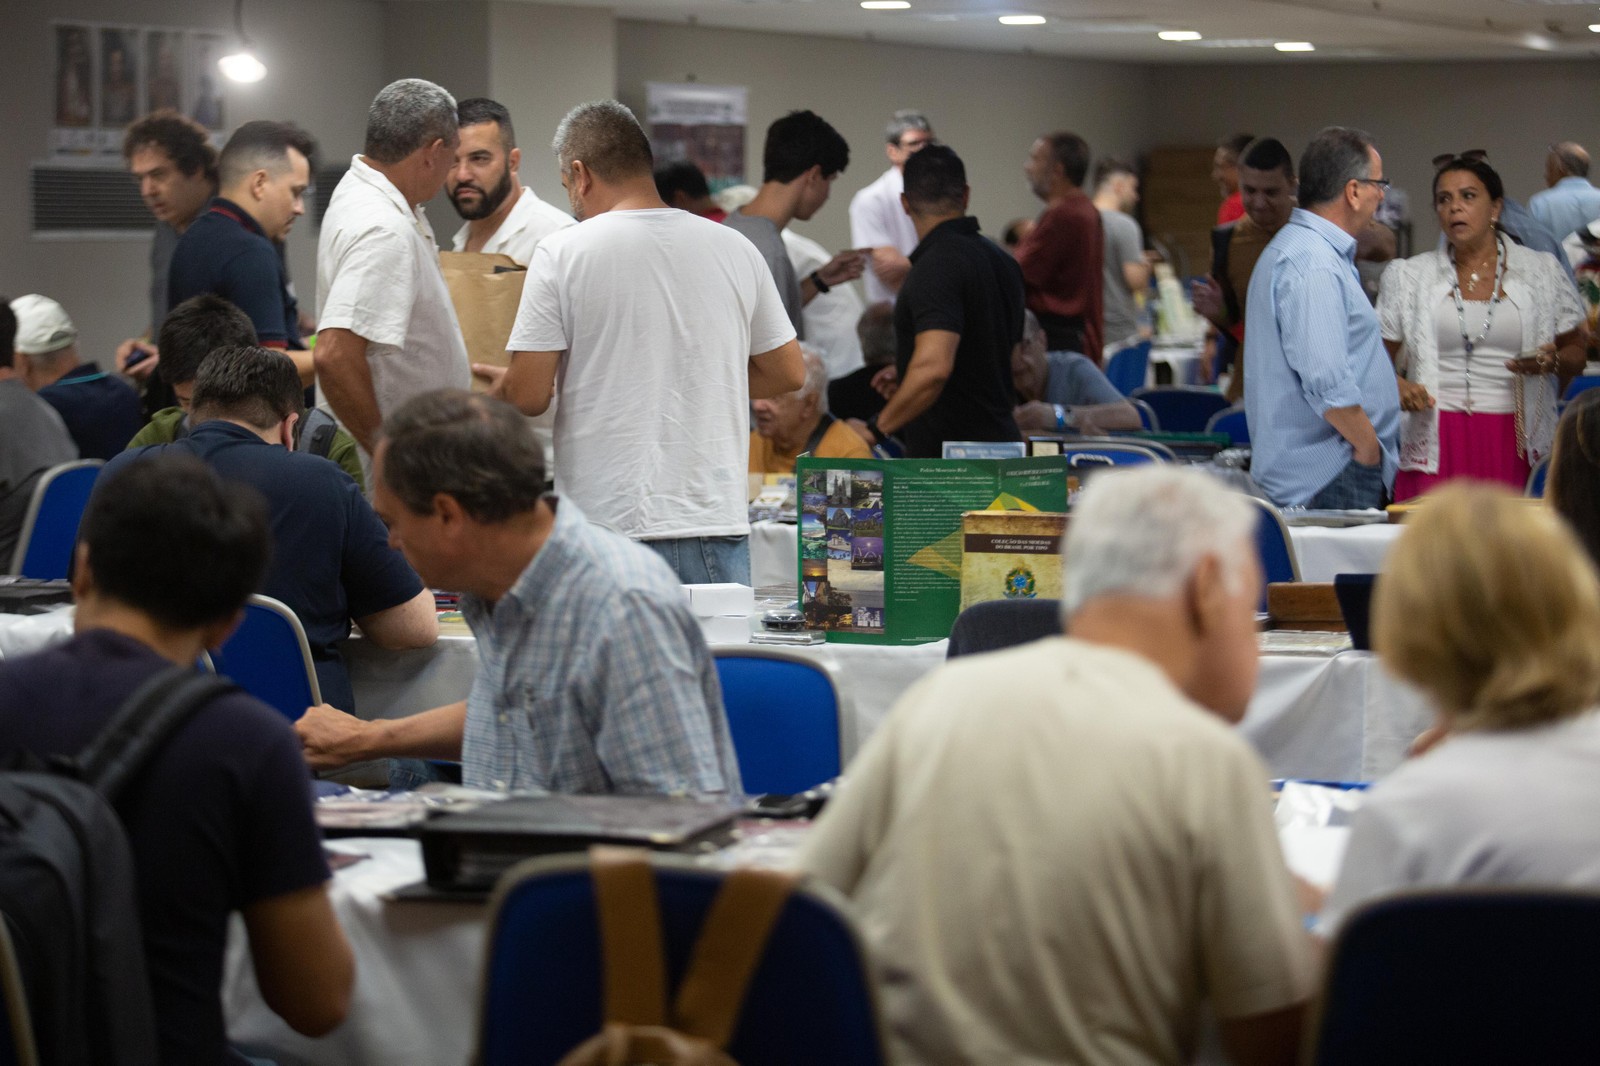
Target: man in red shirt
<point>1225,172</point>
<point>1060,257</point>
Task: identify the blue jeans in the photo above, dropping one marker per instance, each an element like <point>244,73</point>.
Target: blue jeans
<point>705,560</point>
<point>1354,488</point>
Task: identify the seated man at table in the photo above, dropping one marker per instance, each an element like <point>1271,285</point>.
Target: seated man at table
<point>220,821</point>
<point>1064,392</point>
<point>795,423</point>
<point>1100,838</point>
<point>593,675</point>
<point>331,561</point>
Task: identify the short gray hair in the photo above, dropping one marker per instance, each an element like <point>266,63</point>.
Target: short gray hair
<point>1142,532</point>
<point>1335,157</point>
<point>407,115</point>
<point>467,445</point>
<point>607,138</point>
<point>903,122</point>
<point>816,381</point>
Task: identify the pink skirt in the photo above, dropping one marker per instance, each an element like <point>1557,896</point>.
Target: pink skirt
<point>1476,446</point>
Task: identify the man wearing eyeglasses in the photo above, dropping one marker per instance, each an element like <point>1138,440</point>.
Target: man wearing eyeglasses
<point>1321,397</point>
<point>877,221</point>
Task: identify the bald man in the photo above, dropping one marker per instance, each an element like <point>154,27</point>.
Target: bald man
<point>1570,202</point>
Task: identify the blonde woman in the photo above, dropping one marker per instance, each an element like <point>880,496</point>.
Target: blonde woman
<point>1490,605</point>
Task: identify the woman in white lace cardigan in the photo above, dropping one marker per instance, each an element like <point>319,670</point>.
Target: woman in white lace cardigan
<point>1485,333</point>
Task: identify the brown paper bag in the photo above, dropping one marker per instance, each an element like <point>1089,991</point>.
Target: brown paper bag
<point>485,301</point>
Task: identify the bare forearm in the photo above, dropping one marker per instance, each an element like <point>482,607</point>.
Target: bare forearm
<point>434,734</point>
<point>413,624</point>
<point>341,366</point>
<point>1102,417</point>
<point>305,363</point>
<point>777,372</point>
<point>919,390</point>
<point>1352,424</point>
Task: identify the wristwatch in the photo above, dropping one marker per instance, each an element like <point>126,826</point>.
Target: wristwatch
<point>1066,418</point>
<point>877,434</point>
<point>816,279</point>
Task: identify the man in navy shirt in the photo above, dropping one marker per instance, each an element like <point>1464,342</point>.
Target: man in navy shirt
<point>220,820</point>
<point>102,412</point>
<point>331,559</point>
<point>231,249</point>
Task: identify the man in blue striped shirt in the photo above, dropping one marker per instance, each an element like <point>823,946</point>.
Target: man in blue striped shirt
<point>1321,398</point>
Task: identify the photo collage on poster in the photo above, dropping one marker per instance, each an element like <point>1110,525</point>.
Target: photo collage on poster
<point>108,76</point>
<point>704,124</point>
<point>842,549</point>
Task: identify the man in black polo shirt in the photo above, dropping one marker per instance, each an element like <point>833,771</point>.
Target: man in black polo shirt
<point>101,411</point>
<point>231,249</point>
<point>957,319</point>
<point>331,560</point>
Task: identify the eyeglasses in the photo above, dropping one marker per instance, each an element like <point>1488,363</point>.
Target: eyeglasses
<point>1382,183</point>
<point>1471,155</point>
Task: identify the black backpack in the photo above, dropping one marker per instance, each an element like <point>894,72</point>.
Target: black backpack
<point>67,883</point>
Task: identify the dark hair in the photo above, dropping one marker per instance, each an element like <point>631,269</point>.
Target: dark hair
<point>681,176</point>
<point>607,138</point>
<point>478,110</point>
<point>875,329</point>
<point>1109,167</point>
<point>257,386</point>
<point>168,537</point>
<point>195,328</point>
<point>8,333</point>
<point>1479,169</point>
<point>1268,153</point>
<point>1574,470</point>
<point>799,141</point>
<point>186,142</point>
<point>472,447</point>
<point>1072,152</point>
<point>263,145</point>
<point>1335,157</point>
<point>1236,144</point>
<point>935,180</point>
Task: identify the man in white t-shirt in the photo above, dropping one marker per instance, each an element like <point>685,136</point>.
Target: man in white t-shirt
<point>503,215</point>
<point>1061,852</point>
<point>877,219</point>
<point>659,327</point>
<point>387,329</point>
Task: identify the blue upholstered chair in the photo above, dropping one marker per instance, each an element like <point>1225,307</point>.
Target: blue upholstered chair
<point>269,657</point>
<point>793,728</point>
<point>997,624</point>
<point>1278,561</point>
<point>1232,422</point>
<point>50,526</point>
<point>1128,368</point>
<point>1182,408</point>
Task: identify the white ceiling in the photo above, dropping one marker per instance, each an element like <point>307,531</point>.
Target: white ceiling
<point>1235,30</point>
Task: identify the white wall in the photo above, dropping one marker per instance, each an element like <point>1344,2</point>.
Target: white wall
<point>1414,112</point>
<point>988,106</point>
<point>324,65</point>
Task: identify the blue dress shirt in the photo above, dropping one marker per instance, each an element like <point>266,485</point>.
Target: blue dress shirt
<point>1568,204</point>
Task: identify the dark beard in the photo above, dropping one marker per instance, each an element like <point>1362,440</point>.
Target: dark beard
<point>490,201</point>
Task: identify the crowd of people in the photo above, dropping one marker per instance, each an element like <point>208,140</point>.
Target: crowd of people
<point>1106,861</point>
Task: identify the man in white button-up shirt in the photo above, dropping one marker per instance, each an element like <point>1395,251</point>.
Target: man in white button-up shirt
<point>502,214</point>
<point>388,329</point>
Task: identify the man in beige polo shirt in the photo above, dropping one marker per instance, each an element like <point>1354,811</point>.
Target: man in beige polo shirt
<point>1060,852</point>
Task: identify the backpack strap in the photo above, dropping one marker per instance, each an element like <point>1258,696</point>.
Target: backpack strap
<point>151,714</point>
<point>630,936</point>
<point>732,941</point>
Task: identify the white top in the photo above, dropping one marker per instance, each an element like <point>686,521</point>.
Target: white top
<point>1055,856</point>
<point>657,313</point>
<point>530,221</point>
<point>1513,807</point>
<point>879,220</point>
<point>1478,383</point>
<point>1548,303</point>
<point>831,316</point>
<point>378,276</point>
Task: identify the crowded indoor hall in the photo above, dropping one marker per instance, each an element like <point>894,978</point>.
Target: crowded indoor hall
<point>868,532</point>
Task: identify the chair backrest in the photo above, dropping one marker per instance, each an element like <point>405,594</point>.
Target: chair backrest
<point>997,624</point>
<point>793,727</point>
<point>50,527</point>
<point>1465,975</point>
<point>1536,478</point>
<point>1128,368</point>
<point>809,1001</point>
<point>1276,550</point>
<point>1087,451</point>
<point>1183,408</point>
<point>1579,384</point>
<point>1147,414</point>
<point>1232,422</point>
<point>17,1046</point>
<point>269,657</point>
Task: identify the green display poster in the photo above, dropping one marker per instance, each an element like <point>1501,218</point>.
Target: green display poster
<point>880,540</point>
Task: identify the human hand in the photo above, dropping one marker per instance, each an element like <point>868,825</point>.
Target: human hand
<point>1542,361</point>
<point>1414,397</point>
<point>137,358</point>
<point>1427,740</point>
<point>1037,416</point>
<point>886,382</point>
<point>846,266</point>
<point>330,738</point>
<point>1207,297</point>
<point>861,430</point>
<point>494,375</point>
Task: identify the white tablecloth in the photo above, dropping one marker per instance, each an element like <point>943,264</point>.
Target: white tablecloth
<point>1185,361</point>
<point>1323,551</point>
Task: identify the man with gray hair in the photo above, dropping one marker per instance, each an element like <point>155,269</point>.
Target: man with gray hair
<point>1571,201</point>
<point>1128,871</point>
<point>388,329</point>
<point>1321,396</point>
<point>680,309</point>
<point>877,220</point>
<point>798,423</point>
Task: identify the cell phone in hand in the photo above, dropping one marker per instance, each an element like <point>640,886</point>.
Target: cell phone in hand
<point>139,355</point>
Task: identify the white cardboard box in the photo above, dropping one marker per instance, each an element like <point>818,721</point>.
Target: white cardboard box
<point>722,598</point>
<point>726,629</point>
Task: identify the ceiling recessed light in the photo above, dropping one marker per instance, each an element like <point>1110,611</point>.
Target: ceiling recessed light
<point>1178,35</point>
<point>1295,46</point>
<point>1022,20</point>
<point>885,5</point>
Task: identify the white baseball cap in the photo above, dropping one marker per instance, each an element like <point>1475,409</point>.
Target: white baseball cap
<point>42,325</point>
